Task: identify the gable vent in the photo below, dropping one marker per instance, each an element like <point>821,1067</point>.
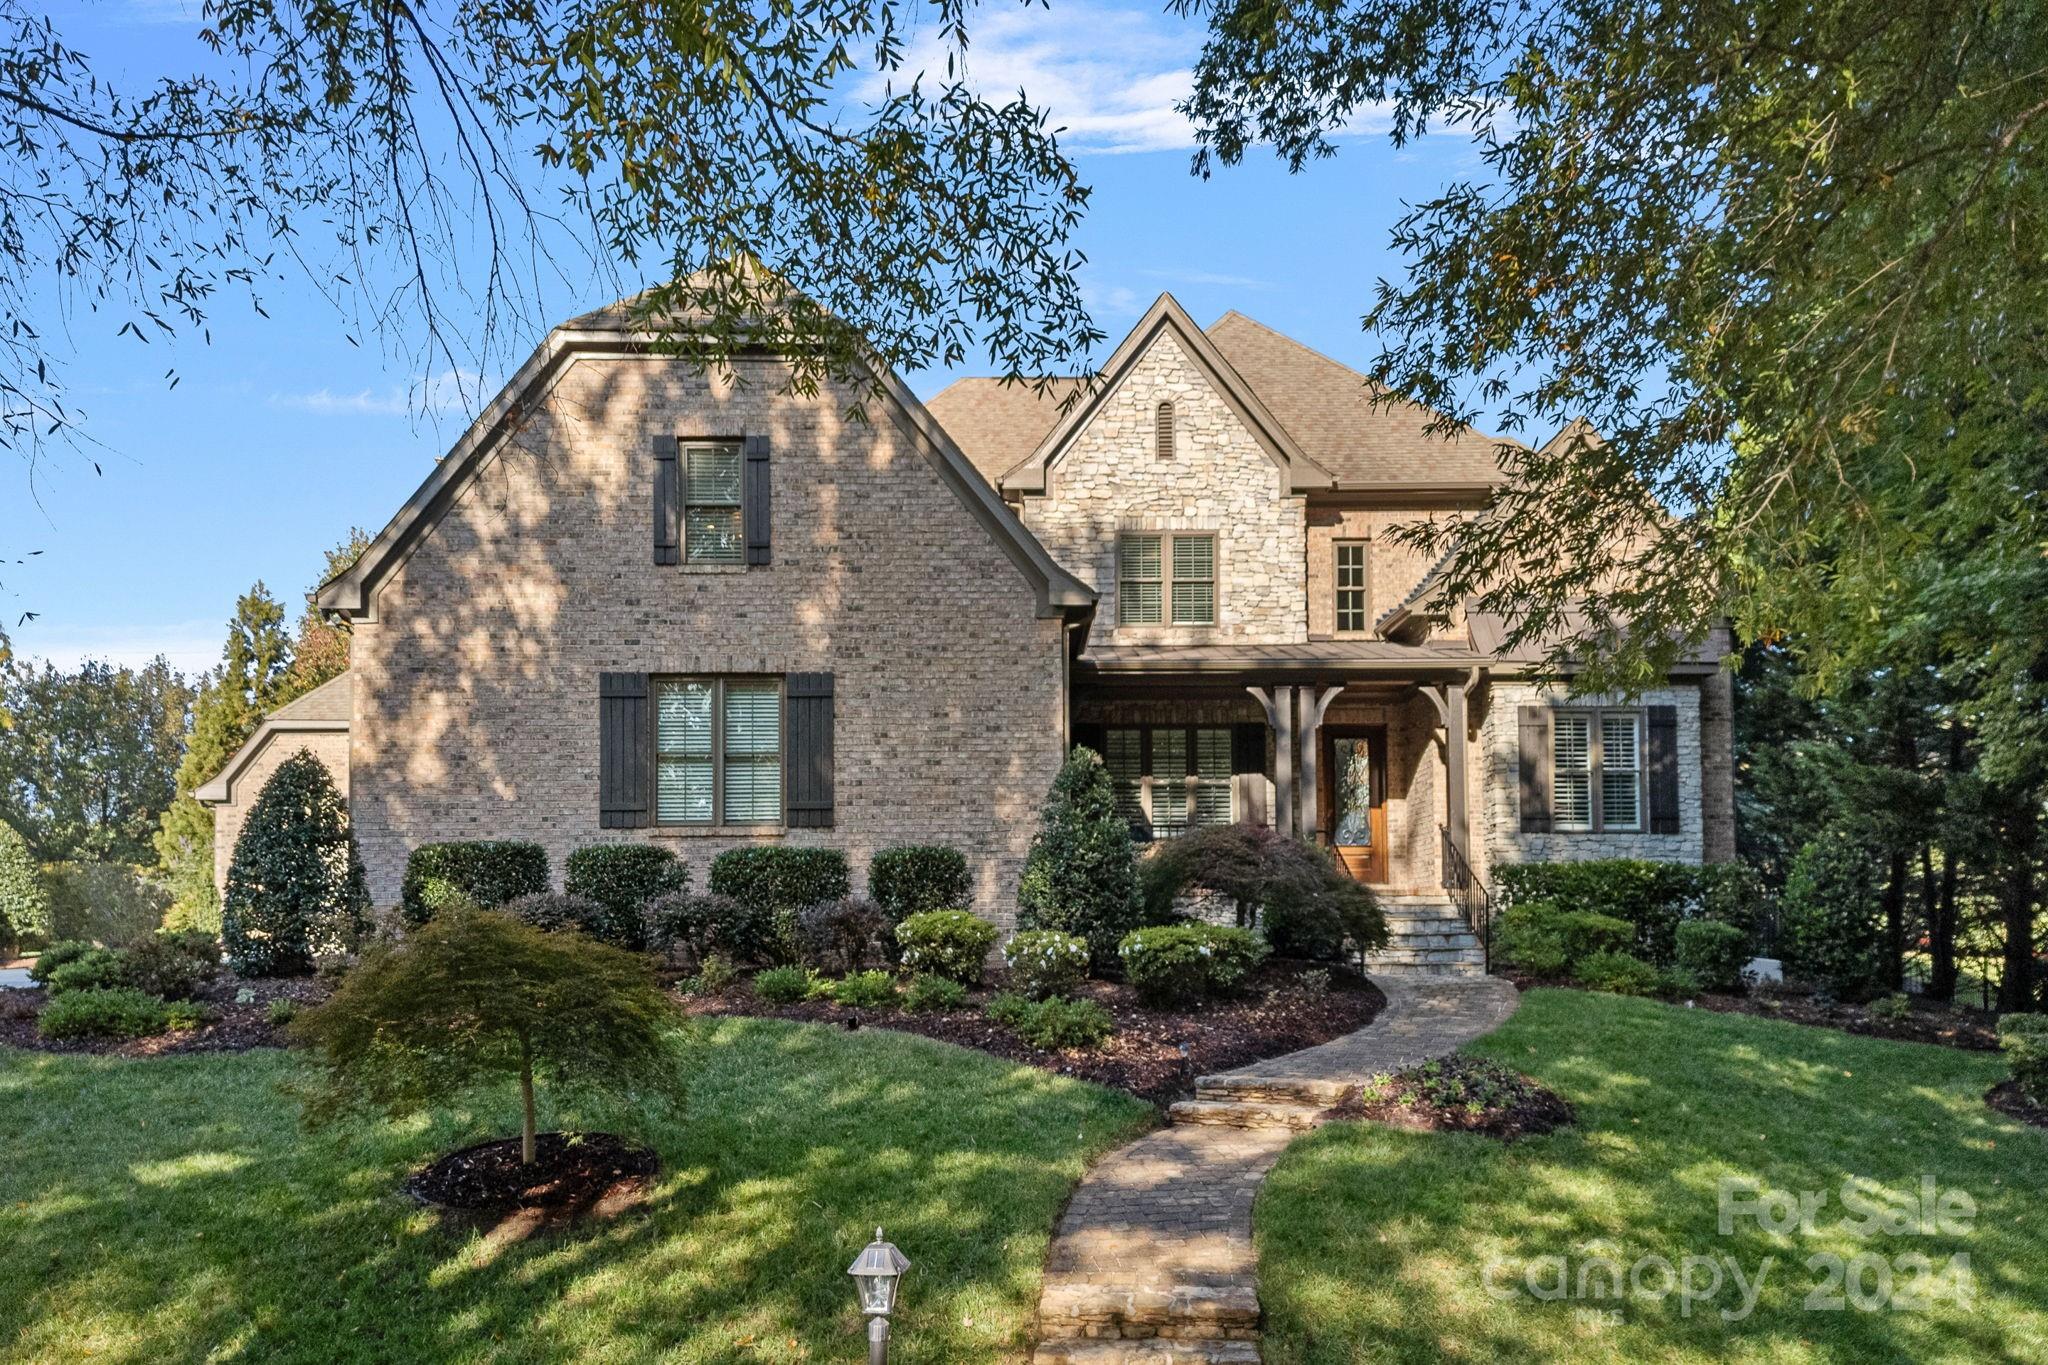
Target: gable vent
<point>1162,430</point>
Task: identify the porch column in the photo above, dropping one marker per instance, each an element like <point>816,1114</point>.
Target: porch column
<point>1453,709</point>
<point>1279,704</point>
<point>1315,701</point>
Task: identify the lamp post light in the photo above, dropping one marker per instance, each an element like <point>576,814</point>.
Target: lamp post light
<point>875,1272</point>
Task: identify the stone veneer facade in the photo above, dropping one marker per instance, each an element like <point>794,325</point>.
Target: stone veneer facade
<point>1497,835</point>
<point>476,712</point>
<point>331,747</point>
<point>1220,479</point>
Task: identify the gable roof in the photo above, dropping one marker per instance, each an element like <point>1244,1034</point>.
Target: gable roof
<point>327,707</point>
<point>615,331</point>
<point>1323,411</point>
<point>1298,470</point>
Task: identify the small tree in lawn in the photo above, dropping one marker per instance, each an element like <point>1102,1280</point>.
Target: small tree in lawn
<point>1081,876</point>
<point>475,996</point>
<point>296,884</point>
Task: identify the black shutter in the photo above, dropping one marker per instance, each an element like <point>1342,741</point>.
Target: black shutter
<point>1248,764</point>
<point>668,501</point>
<point>1535,764</point>
<point>807,759</point>
<point>754,505</point>
<point>1663,756</point>
<point>1094,737</point>
<point>625,751</point>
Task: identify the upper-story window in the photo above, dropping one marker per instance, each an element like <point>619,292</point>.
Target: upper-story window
<point>1164,579</point>
<point>1350,580</point>
<point>712,532</point>
<point>1597,770</point>
<point>1162,430</point>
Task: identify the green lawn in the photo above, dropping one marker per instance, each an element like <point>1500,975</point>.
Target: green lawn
<point>172,1210</point>
<point>1374,1245</point>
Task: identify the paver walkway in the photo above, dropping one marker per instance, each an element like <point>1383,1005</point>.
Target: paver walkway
<point>1152,1263</point>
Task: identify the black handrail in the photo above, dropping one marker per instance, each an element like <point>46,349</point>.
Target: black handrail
<point>1470,893</point>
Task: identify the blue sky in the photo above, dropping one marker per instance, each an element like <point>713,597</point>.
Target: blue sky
<point>281,435</point>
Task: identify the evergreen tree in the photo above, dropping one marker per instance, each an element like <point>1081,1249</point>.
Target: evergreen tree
<point>252,678</point>
<point>296,885</point>
<point>1081,876</point>
<point>320,653</point>
<point>24,899</point>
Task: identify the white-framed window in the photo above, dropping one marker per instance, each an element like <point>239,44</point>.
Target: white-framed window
<point>718,751</point>
<point>1166,579</point>
<point>1596,759</point>
<point>1350,578</point>
<point>1170,779</point>
<point>712,529</point>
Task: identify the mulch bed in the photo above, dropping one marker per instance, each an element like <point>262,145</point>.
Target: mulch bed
<point>234,1027</point>
<point>1941,1025</point>
<point>1459,1094</point>
<point>1155,1054</point>
<point>572,1174</point>
<point>2008,1099</point>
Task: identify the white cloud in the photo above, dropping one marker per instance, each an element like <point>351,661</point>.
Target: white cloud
<point>1207,277</point>
<point>451,391</point>
<point>191,647</point>
<point>1108,77</point>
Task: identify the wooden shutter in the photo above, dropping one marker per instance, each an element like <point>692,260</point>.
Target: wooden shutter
<point>1536,757</point>
<point>1248,763</point>
<point>625,751</point>
<point>1094,737</point>
<point>1662,769</point>
<point>807,756</point>
<point>754,503</point>
<point>668,501</point>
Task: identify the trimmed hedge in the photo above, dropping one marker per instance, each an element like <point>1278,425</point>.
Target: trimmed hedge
<point>951,943</point>
<point>1544,938</point>
<point>1653,897</point>
<point>1617,973</point>
<point>623,879</point>
<point>1714,953</point>
<point>780,881</point>
<point>488,872</point>
<point>916,878</point>
<point>1181,963</point>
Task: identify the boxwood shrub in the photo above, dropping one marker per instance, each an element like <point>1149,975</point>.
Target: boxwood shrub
<point>1619,973</point>
<point>1054,1024</point>
<point>866,990</point>
<point>929,992</point>
<point>951,943</point>
<point>916,878</point>
<point>112,1012</point>
<point>488,872</point>
<point>1045,962</point>
<point>1714,953</point>
<point>788,985</point>
<point>55,956</point>
<point>622,879</point>
<point>1653,897</point>
<point>1180,963</point>
<point>99,969</point>
<point>1544,938</point>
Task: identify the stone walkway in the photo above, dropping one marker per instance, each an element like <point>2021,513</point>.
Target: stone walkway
<point>1152,1263</point>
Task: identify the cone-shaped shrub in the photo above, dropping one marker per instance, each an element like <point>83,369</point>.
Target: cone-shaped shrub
<point>296,884</point>
<point>1082,876</point>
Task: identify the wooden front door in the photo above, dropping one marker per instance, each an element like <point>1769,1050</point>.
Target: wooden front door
<point>1353,798</point>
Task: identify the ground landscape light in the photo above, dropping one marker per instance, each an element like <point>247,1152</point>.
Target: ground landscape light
<point>875,1273</point>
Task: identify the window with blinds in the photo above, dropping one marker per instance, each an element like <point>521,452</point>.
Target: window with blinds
<point>1621,772</point>
<point>1166,578</point>
<point>1597,770</point>
<point>1350,568</point>
<point>712,531</point>
<point>1171,779</point>
<point>718,751</point>
<point>1572,768</point>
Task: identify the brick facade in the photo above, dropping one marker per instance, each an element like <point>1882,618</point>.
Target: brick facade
<point>477,681</point>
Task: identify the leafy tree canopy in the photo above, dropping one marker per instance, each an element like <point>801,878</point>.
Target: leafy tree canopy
<point>476,996</point>
<point>1787,259</point>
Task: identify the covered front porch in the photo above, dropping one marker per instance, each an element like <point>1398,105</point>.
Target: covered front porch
<point>1364,746</point>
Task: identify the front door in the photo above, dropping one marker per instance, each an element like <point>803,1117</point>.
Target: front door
<point>1354,798</point>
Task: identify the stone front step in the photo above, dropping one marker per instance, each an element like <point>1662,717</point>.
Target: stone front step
<point>1408,969</point>
<point>1177,1312</point>
<point>1238,1113</point>
<point>1255,1089</point>
<point>1154,1351</point>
